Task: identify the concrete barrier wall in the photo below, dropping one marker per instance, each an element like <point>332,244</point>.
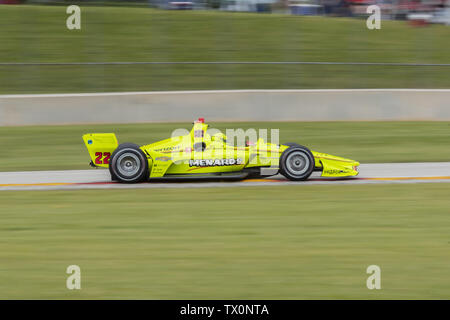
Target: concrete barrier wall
<point>234,105</point>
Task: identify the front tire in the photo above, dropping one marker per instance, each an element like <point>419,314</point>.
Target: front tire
<point>297,163</point>
<point>128,164</point>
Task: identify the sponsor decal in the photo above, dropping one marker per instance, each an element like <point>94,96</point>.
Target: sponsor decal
<point>162,159</point>
<point>214,162</point>
<point>167,149</point>
<point>198,133</point>
<point>334,171</point>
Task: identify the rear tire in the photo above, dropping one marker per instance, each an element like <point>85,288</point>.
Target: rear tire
<point>128,164</point>
<point>291,144</point>
<point>296,162</point>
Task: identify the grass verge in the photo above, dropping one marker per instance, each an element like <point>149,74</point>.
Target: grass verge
<point>61,147</point>
<point>39,34</point>
<point>287,242</point>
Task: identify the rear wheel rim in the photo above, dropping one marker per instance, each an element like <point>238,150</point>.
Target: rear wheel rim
<point>128,164</point>
<point>297,163</point>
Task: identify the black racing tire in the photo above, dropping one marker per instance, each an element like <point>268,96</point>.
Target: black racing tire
<point>291,144</point>
<point>296,163</point>
<point>128,164</point>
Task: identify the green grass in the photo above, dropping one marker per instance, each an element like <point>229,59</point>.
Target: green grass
<point>61,147</point>
<point>289,242</point>
<point>39,34</point>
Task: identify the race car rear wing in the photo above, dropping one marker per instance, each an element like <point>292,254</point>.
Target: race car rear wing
<point>100,147</point>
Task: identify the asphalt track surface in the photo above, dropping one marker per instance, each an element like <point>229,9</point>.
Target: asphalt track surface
<point>100,178</point>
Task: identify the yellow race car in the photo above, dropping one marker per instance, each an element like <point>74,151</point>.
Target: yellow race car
<point>201,154</point>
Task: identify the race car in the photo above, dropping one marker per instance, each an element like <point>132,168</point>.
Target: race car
<point>202,154</point>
